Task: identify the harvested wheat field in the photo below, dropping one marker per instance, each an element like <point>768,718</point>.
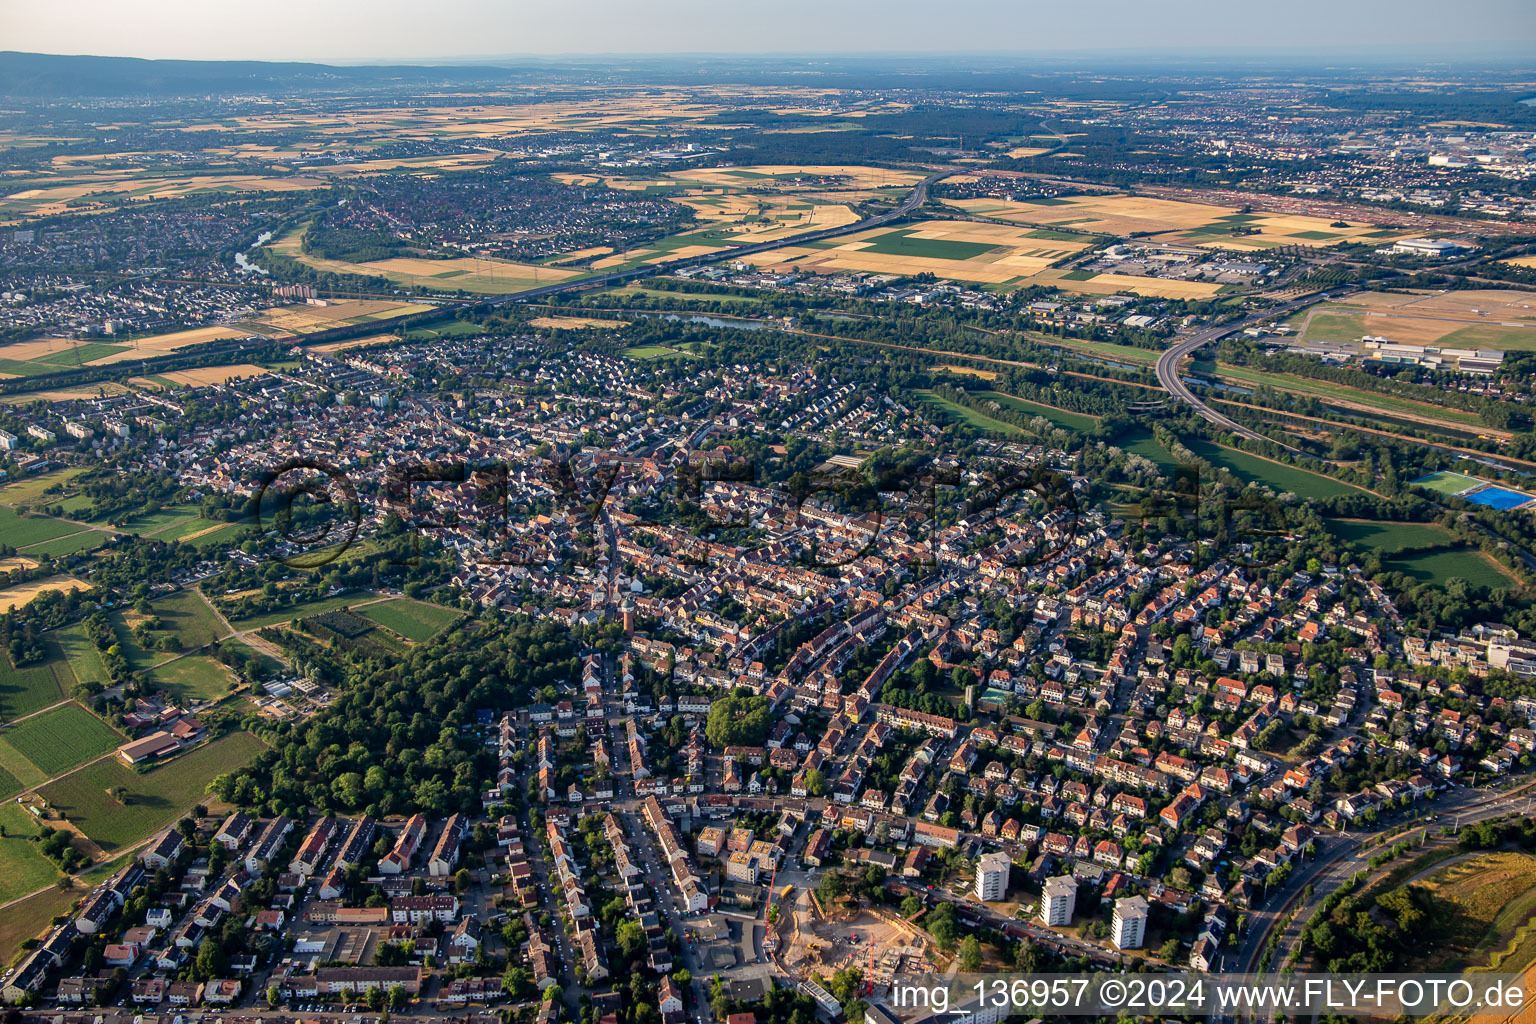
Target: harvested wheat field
<point>954,250</point>
<point>1120,284</point>
<point>1175,222</point>
<point>203,376</point>
<point>1523,261</point>
<point>16,597</point>
<point>105,387</point>
<point>160,344</point>
<point>16,562</point>
<point>307,319</point>
<point>464,273</point>
<point>573,323</point>
<point>792,176</point>
<point>342,346</point>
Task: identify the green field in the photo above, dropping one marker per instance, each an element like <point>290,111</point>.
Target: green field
<point>1440,566</point>
<point>26,919</point>
<point>1278,476</point>
<point>195,676</point>
<point>85,540</point>
<point>902,243</point>
<point>30,489</point>
<point>19,531</point>
<point>155,798</point>
<point>300,610</point>
<point>413,620</point>
<point>968,415</point>
<point>1101,349</point>
<point>658,352</point>
<point>1388,538</point>
<point>27,689</point>
<point>188,616</point>
<point>1061,417</point>
<point>1141,442</point>
<point>23,868</point>
<point>84,659</point>
<point>1448,483</point>
<point>63,738</point>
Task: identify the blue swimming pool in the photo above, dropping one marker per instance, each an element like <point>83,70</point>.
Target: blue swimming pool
<point>1498,497</point>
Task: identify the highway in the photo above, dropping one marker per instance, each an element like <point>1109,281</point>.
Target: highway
<point>1168,364</point>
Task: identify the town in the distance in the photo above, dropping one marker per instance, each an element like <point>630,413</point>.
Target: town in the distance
<point>697,541</point>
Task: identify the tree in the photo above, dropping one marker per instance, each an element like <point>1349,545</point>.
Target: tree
<point>631,939</point>
<point>397,997</point>
<point>462,880</point>
<point>815,782</point>
<point>274,997</point>
<point>970,955</point>
<point>1169,950</point>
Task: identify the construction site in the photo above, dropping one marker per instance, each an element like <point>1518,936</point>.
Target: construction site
<point>809,940</point>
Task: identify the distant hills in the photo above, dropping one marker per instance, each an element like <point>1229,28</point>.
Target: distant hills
<point>42,75</point>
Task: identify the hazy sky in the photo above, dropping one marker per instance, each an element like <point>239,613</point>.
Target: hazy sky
<point>369,30</point>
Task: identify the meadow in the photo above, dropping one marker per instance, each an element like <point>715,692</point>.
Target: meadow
<point>413,620</point>
<point>299,611</point>
<point>1483,910</point>
<point>186,615</point>
<point>968,416</point>
<point>154,798</point>
<point>192,676</point>
<point>1061,417</point>
<point>1439,567</point>
<point>27,688</point>
<point>1388,537</point>
<point>1252,469</point>
<point>23,868</point>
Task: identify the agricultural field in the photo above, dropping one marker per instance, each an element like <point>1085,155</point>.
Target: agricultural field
<point>800,177</point>
<point>111,189</point>
<point>1472,318</point>
<point>1387,537</point>
<point>63,738</point>
<point>745,217</point>
<point>1091,283</point>
<point>23,868</point>
<point>192,677</point>
<point>1060,417</point>
<point>464,273</point>
<point>1252,469</point>
<point>289,321</point>
<point>154,798</point>
<point>1483,913</point>
<point>69,544</point>
<point>83,657</point>
<point>979,253</point>
<point>15,597</point>
<point>49,355</point>
<point>22,531</point>
<point>414,620</point>
<point>202,377</point>
<point>967,415</point>
<point>28,688</point>
<point>1175,222</point>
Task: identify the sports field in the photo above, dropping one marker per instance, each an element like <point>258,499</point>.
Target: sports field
<point>1475,490</point>
<point>414,620</point>
<point>154,798</point>
<point>62,738</point>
